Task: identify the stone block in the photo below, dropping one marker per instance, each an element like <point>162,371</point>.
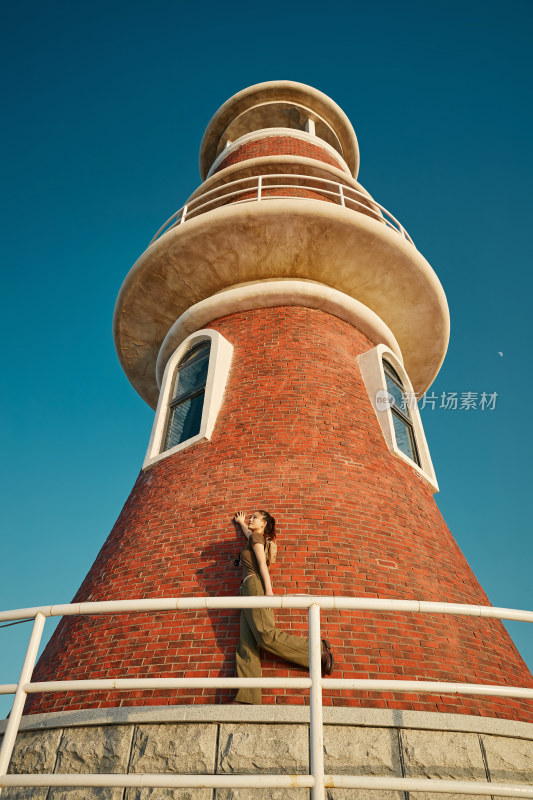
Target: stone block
<point>447,755</point>
<point>509,760</point>
<point>247,749</point>
<point>93,749</point>
<point>262,794</point>
<point>363,794</point>
<point>34,752</point>
<point>169,794</point>
<point>85,793</point>
<point>181,748</point>
<point>361,751</point>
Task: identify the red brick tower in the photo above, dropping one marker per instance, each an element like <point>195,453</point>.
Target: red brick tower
<point>270,324</point>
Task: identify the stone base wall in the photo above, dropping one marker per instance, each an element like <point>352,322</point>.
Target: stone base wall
<point>255,740</point>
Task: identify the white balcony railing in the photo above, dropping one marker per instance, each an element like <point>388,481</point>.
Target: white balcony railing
<point>317,780</point>
<point>274,187</point>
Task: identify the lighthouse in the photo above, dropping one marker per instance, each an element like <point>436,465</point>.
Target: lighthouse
<point>281,324</point>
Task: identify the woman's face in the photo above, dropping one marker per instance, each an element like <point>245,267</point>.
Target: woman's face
<point>257,522</point>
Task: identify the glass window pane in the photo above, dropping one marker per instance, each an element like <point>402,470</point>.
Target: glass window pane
<point>396,392</point>
<point>404,439</point>
<point>195,352</point>
<point>191,377</point>
<point>184,421</point>
<point>392,372</point>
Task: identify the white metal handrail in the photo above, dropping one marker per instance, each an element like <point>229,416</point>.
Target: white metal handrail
<point>173,781</point>
<point>326,602</point>
<point>258,186</point>
<point>316,780</point>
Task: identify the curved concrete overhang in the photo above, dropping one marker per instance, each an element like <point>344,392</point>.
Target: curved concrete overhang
<point>270,92</point>
<point>282,238</point>
<point>271,294</point>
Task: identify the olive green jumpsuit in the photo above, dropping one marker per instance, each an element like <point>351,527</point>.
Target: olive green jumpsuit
<point>257,629</point>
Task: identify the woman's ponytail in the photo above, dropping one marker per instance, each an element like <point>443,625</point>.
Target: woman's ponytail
<point>269,533</point>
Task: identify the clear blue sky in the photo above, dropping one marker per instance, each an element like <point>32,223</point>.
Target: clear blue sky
<point>105,105</point>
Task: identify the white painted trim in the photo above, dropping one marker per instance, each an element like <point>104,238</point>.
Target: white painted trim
<point>267,133</point>
<point>217,375</point>
<point>269,294</point>
<point>371,365</point>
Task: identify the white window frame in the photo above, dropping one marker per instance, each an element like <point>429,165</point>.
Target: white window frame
<point>217,376</point>
<point>373,373</point>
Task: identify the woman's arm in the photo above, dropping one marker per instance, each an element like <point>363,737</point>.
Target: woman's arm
<point>240,520</point>
<point>259,550</point>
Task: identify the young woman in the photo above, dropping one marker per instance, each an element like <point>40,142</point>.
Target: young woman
<point>257,624</point>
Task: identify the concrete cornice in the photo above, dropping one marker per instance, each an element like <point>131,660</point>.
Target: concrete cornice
<point>288,91</point>
<point>269,294</point>
<point>359,717</point>
<point>299,239</point>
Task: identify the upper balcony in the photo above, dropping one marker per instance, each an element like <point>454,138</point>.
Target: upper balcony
<point>224,190</point>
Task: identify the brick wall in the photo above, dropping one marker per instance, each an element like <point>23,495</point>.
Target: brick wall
<point>296,435</point>
<point>279,146</point>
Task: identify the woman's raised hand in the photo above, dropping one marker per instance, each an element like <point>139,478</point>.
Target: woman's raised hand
<point>240,517</point>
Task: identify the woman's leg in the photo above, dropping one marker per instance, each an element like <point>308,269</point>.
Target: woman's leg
<point>261,623</point>
<point>248,663</point>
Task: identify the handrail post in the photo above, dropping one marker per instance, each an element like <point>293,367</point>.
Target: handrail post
<point>259,186</point>
<point>316,721</point>
<point>183,214</point>
<point>341,195</point>
<point>20,695</point>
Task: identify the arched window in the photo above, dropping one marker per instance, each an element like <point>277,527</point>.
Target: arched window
<point>394,403</point>
<point>192,390</point>
<point>401,415</point>
<point>187,399</point>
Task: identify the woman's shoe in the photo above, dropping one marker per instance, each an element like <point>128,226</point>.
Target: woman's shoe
<point>328,662</point>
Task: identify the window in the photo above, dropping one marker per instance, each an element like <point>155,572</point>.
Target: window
<point>393,400</point>
<point>185,407</point>
<point>192,390</point>
<point>401,415</point>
